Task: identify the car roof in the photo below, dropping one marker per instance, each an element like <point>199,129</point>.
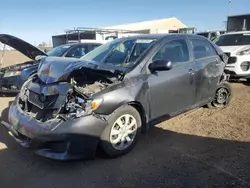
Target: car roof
<point>160,36</point>
<point>214,31</point>
<point>77,43</point>
<point>237,32</point>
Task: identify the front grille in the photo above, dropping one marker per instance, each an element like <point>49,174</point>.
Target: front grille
<point>229,72</point>
<point>232,60</point>
<point>34,99</point>
<point>41,101</point>
<point>228,54</point>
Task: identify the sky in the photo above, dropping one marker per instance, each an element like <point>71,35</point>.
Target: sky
<point>37,20</point>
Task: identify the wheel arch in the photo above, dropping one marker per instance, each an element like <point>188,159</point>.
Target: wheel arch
<point>139,107</point>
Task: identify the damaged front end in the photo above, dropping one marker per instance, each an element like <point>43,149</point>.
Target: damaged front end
<point>47,112</point>
<point>63,100</point>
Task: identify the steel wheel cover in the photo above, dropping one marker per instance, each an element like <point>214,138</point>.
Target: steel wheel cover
<point>123,132</point>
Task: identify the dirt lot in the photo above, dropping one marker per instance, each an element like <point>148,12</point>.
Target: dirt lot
<point>202,148</point>
<point>12,57</point>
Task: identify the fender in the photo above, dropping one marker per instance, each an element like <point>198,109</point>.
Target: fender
<point>131,90</point>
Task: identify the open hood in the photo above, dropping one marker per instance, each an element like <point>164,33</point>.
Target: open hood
<point>56,69</point>
<point>25,48</point>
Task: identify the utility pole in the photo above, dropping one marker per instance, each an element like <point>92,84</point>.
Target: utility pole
<point>1,62</point>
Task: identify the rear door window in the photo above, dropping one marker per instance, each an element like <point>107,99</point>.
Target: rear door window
<point>202,48</point>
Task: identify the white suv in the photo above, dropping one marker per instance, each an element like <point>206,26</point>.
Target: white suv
<point>237,46</point>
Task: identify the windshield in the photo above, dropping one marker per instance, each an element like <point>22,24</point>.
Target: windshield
<point>119,52</point>
<point>233,40</point>
<point>58,51</point>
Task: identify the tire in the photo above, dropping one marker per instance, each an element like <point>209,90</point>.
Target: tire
<point>225,89</point>
<point>107,140</point>
<point>248,80</point>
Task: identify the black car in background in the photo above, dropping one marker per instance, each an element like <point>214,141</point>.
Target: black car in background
<point>13,77</point>
<point>108,96</point>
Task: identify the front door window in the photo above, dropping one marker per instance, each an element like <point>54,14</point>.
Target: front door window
<point>175,51</point>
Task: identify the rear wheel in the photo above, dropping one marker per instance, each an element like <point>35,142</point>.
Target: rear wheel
<point>223,96</point>
<point>122,132</point>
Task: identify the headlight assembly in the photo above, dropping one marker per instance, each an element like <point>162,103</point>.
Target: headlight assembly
<point>12,73</point>
<point>244,52</point>
<point>96,103</point>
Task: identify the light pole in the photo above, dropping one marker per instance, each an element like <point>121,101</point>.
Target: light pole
<point>3,50</point>
<point>229,7</point>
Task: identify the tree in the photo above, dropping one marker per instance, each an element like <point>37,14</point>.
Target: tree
<point>42,45</point>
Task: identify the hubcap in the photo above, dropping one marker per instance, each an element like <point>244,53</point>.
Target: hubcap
<point>221,96</point>
<point>123,132</point>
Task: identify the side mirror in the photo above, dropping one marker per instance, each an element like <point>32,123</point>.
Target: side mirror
<point>160,65</point>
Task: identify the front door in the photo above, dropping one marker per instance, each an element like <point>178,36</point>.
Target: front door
<point>172,91</point>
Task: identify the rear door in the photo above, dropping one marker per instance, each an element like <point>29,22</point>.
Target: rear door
<point>208,67</point>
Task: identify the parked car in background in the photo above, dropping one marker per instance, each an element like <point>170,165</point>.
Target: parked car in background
<point>237,46</point>
<point>109,95</point>
<point>12,77</point>
<point>75,50</point>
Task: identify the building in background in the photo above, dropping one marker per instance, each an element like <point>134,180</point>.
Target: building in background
<point>166,25</point>
<point>78,34</point>
<point>238,23</point>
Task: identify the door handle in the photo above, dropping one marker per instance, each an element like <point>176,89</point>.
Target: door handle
<point>191,71</point>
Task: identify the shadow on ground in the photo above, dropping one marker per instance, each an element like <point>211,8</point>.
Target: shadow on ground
<point>161,159</point>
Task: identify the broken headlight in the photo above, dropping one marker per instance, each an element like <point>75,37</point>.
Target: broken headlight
<point>76,107</point>
<point>79,107</point>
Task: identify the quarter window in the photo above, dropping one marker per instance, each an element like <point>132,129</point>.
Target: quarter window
<point>174,51</point>
<point>202,48</point>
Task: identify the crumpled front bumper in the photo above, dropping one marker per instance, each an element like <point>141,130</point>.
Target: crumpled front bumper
<point>56,139</point>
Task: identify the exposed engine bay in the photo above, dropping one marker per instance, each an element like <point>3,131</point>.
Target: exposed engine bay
<point>57,102</point>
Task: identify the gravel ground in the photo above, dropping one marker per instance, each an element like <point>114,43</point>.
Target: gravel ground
<point>202,148</point>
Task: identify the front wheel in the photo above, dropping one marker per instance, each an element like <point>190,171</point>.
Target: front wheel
<point>122,132</point>
<point>248,80</point>
<point>222,97</point>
